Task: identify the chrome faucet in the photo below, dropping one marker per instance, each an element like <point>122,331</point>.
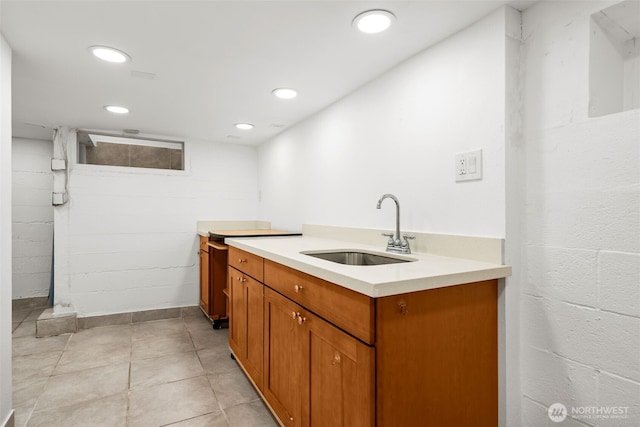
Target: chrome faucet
<point>399,245</point>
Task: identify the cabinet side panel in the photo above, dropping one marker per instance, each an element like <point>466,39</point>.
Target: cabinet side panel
<point>217,282</point>
<point>437,357</point>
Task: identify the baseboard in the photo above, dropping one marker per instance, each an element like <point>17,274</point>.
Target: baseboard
<point>137,316</point>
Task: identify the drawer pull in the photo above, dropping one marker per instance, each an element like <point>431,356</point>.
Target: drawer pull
<point>240,260</point>
<point>294,315</point>
<point>301,320</point>
<point>298,288</point>
<point>242,279</point>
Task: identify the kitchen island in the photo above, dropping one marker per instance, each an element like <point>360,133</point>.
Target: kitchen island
<point>327,344</point>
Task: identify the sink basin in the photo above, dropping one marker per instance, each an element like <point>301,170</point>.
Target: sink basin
<point>357,258</point>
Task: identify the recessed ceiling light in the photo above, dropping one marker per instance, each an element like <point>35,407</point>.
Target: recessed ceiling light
<point>110,54</point>
<point>285,93</point>
<point>244,126</point>
<point>373,21</point>
<point>116,109</point>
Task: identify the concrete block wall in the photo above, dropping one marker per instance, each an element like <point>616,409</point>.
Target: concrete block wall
<point>32,217</point>
<point>580,302</point>
<point>127,239</point>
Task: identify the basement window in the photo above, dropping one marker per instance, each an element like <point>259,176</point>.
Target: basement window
<point>614,64</point>
<point>132,152</point>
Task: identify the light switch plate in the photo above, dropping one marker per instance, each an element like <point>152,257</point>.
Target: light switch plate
<point>468,166</point>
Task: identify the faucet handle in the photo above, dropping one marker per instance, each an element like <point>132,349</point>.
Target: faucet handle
<point>405,240</point>
<point>390,236</point>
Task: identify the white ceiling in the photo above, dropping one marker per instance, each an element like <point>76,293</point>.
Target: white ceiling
<point>215,62</point>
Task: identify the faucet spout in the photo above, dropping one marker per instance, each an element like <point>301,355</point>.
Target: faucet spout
<point>395,199</point>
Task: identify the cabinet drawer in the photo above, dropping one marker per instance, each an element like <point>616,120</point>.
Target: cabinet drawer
<point>246,262</point>
<point>349,310</point>
<point>203,244</point>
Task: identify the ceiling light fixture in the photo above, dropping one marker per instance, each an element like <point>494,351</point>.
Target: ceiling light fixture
<point>244,126</point>
<point>116,109</point>
<point>373,21</point>
<point>110,54</point>
<point>285,93</point>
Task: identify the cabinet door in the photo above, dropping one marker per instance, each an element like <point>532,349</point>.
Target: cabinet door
<point>285,358</point>
<point>341,374</point>
<point>245,323</point>
<point>204,281</point>
<point>237,314</point>
<point>315,374</point>
<point>254,296</point>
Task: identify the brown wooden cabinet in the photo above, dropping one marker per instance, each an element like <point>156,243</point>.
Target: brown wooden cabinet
<point>246,320</point>
<point>204,275</point>
<point>314,373</point>
<point>213,279</point>
<point>322,355</point>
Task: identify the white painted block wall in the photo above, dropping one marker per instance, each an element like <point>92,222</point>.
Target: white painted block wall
<point>580,316</point>
<point>5,232</point>
<point>127,240</point>
<point>32,217</point>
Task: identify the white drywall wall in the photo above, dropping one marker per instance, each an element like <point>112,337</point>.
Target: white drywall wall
<point>580,307</point>
<point>399,134</point>
<point>5,232</point>
<point>32,219</point>
<point>127,239</point>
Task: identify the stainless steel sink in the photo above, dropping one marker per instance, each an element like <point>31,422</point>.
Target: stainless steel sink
<point>356,258</point>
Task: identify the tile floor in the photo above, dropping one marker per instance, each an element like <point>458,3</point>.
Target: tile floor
<point>174,372</point>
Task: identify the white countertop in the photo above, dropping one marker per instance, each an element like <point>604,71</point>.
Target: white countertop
<point>427,272</point>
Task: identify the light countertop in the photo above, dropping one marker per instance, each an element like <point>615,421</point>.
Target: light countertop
<point>427,272</point>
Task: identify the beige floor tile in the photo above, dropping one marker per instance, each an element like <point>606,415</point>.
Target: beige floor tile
<point>83,386</point>
<point>210,338</point>
<point>34,366</point>
<point>107,336</point>
<point>32,345</point>
<point>25,329</point>
<point>217,360</point>
<point>214,419</point>
<point>157,328</point>
<point>197,323</point>
<point>96,357</point>
<point>108,411</point>
<point>252,414</point>
<point>232,388</point>
<point>34,314</point>
<point>19,315</point>
<point>168,403</point>
<point>161,346</point>
<point>26,393</point>
<point>22,414</point>
<point>173,367</point>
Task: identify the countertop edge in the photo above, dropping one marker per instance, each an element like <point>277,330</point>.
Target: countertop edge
<point>380,289</point>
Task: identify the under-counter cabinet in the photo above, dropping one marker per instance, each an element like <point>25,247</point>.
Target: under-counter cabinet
<point>314,373</point>
<point>204,275</point>
<point>213,279</point>
<point>334,357</point>
<point>246,319</point>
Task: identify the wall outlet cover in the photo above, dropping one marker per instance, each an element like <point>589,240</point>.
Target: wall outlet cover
<point>468,166</point>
